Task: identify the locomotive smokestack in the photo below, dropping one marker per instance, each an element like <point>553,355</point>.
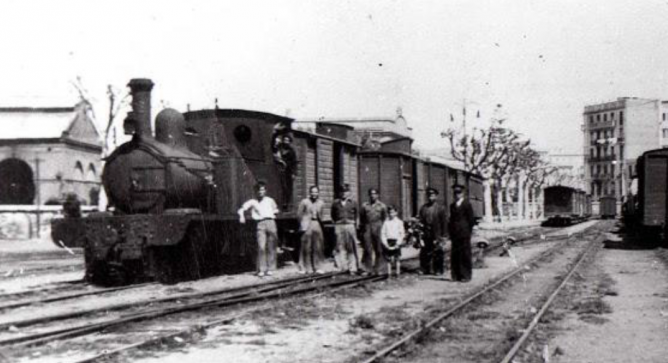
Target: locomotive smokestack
<point>140,89</point>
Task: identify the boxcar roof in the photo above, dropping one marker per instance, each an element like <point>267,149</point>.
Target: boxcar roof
<point>321,136</point>
<point>227,112</point>
<point>663,151</point>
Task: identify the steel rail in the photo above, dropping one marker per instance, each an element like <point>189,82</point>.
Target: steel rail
<point>56,285</point>
<point>245,292</point>
<point>200,327</point>
<point>43,338</point>
<point>18,304</point>
<point>534,322</point>
<point>121,306</point>
<point>417,332</point>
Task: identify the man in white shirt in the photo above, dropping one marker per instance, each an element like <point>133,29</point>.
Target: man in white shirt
<point>263,211</point>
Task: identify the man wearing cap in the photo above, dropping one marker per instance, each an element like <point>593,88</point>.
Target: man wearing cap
<point>460,228</point>
<point>433,218</point>
<point>263,211</point>
<point>344,215</point>
<point>309,213</point>
<point>372,217</point>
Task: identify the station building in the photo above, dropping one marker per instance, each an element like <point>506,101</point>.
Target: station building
<point>48,152</point>
<point>615,134</point>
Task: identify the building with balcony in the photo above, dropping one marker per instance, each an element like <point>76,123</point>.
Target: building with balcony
<point>615,135</point>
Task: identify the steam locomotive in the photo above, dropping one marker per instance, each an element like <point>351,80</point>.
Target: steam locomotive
<point>175,194</point>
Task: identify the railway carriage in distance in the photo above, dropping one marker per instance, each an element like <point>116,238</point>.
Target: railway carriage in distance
<point>608,207</point>
<point>564,205</point>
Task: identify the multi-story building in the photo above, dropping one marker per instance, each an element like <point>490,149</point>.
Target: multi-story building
<point>615,134</point>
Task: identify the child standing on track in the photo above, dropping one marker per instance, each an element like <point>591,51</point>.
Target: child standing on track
<point>392,237</point>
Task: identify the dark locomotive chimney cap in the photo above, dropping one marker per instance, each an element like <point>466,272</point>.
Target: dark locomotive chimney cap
<point>141,84</point>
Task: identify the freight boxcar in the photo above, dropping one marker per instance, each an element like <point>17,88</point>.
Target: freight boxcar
<point>650,204</point>
<point>390,170</point>
<point>608,207</point>
<point>563,205</point>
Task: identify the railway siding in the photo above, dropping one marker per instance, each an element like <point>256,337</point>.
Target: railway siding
<point>342,327</point>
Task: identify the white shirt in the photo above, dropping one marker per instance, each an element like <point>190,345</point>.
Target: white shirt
<point>393,229</point>
<point>265,209</point>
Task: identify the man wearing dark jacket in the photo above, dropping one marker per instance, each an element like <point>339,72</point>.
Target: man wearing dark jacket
<point>433,219</point>
<point>460,228</point>
<point>345,216</point>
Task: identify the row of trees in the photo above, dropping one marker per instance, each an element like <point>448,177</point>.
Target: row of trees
<point>513,169</point>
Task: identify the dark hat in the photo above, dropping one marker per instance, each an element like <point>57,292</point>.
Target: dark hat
<point>432,191</point>
<point>458,187</point>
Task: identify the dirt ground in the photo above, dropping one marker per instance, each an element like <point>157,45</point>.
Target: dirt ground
<point>619,313</point>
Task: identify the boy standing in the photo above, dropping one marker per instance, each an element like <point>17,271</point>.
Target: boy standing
<point>392,237</point>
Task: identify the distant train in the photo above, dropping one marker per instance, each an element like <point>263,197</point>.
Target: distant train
<point>645,211</point>
<point>607,207</point>
<point>564,206</point>
<point>175,194</point>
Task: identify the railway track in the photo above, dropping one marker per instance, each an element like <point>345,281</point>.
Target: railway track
<point>440,317</point>
<point>142,320</point>
<point>33,271</point>
<point>37,332</point>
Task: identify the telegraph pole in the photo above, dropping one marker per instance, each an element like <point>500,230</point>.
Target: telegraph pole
<point>38,196</point>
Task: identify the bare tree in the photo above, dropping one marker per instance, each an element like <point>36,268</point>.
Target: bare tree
<point>117,99</point>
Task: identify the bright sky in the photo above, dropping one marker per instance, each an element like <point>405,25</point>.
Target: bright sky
<point>542,60</point>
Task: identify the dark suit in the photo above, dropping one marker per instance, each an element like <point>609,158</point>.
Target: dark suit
<point>460,227</point>
<point>433,219</point>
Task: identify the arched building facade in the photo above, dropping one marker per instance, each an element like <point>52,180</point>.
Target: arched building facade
<point>47,153</point>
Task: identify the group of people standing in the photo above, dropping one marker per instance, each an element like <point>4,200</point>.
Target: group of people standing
<point>382,233</point>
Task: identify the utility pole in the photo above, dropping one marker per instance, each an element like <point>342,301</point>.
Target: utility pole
<point>38,197</point>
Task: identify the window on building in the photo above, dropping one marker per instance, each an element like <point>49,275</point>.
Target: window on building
<point>591,119</point>
<point>612,115</point>
<point>621,118</point>
<point>598,169</point>
<point>665,133</point>
<point>598,118</point>
<point>621,152</point>
<point>598,152</point>
<point>592,153</point>
<point>592,170</point>
<point>612,169</point>
<point>664,116</point>
<point>605,169</point>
